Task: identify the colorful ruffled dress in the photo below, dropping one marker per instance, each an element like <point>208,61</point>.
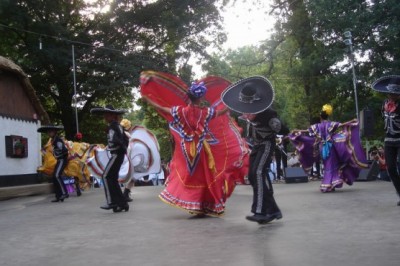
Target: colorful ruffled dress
<point>210,157</point>
<point>338,146</point>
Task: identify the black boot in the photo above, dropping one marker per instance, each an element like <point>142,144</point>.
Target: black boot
<point>78,189</point>
<point>108,206</point>
<point>64,196</point>
<point>124,207</point>
<point>398,203</point>
<point>61,198</point>
<point>127,193</point>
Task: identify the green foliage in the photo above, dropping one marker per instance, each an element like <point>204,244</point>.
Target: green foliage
<point>110,49</point>
<point>305,58</point>
<point>236,64</point>
<point>308,63</point>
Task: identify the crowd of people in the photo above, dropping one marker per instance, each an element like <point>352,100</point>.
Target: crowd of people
<point>202,173</point>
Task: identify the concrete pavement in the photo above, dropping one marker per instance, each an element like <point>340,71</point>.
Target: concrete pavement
<point>356,225</point>
<point>26,190</point>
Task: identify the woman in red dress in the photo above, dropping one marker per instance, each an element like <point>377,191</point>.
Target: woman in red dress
<point>192,184</point>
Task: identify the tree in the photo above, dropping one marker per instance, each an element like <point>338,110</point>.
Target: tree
<point>375,27</point>
<point>44,33</point>
<point>111,48</point>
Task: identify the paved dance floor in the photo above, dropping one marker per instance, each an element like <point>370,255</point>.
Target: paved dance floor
<point>354,226</point>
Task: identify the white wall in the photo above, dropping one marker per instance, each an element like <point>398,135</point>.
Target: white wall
<point>27,129</point>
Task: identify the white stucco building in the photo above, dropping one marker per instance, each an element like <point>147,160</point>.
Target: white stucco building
<point>21,114</point>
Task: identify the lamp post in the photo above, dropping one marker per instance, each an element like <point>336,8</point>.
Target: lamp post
<point>348,42</point>
<point>75,100</point>
<point>74,79</point>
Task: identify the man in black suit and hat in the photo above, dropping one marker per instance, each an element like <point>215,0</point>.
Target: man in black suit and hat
<point>252,97</point>
<point>391,114</point>
<point>117,144</point>
<point>60,152</point>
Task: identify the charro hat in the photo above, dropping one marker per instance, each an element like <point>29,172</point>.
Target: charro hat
<point>46,128</point>
<point>387,84</point>
<point>107,109</point>
<point>250,95</point>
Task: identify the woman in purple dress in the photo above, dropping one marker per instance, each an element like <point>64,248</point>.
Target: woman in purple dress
<point>337,144</point>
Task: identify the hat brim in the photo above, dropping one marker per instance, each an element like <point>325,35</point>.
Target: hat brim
<point>103,110</point>
<point>381,84</point>
<point>265,92</point>
<point>47,128</point>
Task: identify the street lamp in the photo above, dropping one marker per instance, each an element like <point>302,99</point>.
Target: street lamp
<point>75,96</point>
<point>74,79</point>
<point>348,42</point>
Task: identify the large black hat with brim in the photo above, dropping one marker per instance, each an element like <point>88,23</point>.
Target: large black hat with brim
<point>387,84</point>
<point>249,96</point>
<point>47,128</point>
<point>107,109</point>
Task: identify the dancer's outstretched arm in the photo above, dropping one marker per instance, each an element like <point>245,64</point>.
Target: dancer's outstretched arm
<point>349,122</point>
<point>294,131</point>
<point>221,112</point>
<point>157,106</point>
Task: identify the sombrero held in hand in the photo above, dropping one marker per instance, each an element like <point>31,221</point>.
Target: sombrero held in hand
<point>387,84</point>
<point>107,109</point>
<point>249,96</point>
<point>47,128</point>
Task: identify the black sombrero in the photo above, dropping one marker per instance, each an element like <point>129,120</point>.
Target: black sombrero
<point>47,128</point>
<point>387,84</point>
<point>106,109</point>
<point>250,95</point>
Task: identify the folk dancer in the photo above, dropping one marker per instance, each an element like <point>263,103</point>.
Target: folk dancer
<point>390,85</point>
<point>209,155</point>
<point>337,144</point>
<point>117,144</point>
<point>60,153</point>
<point>253,97</point>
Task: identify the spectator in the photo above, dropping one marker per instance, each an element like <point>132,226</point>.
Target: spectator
<point>144,181</point>
<point>293,160</point>
<point>272,170</point>
<point>157,178</point>
<point>379,156</point>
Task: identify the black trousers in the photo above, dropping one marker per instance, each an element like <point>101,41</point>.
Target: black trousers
<point>391,153</point>
<point>278,159</point>
<point>281,160</point>
<point>59,186</point>
<point>112,188</point>
<point>263,198</point>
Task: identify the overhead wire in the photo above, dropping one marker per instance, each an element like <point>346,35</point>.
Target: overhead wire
<point>42,35</point>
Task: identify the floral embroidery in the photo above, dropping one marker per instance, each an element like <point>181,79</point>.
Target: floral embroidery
<point>390,106</point>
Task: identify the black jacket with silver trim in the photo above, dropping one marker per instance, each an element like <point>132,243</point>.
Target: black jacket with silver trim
<point>264,127</point>
<point>392,124</point>
<point>115,138</point>
<point>60,151</point>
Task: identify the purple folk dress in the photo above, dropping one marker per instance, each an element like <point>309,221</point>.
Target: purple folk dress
<point>340,148</point>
